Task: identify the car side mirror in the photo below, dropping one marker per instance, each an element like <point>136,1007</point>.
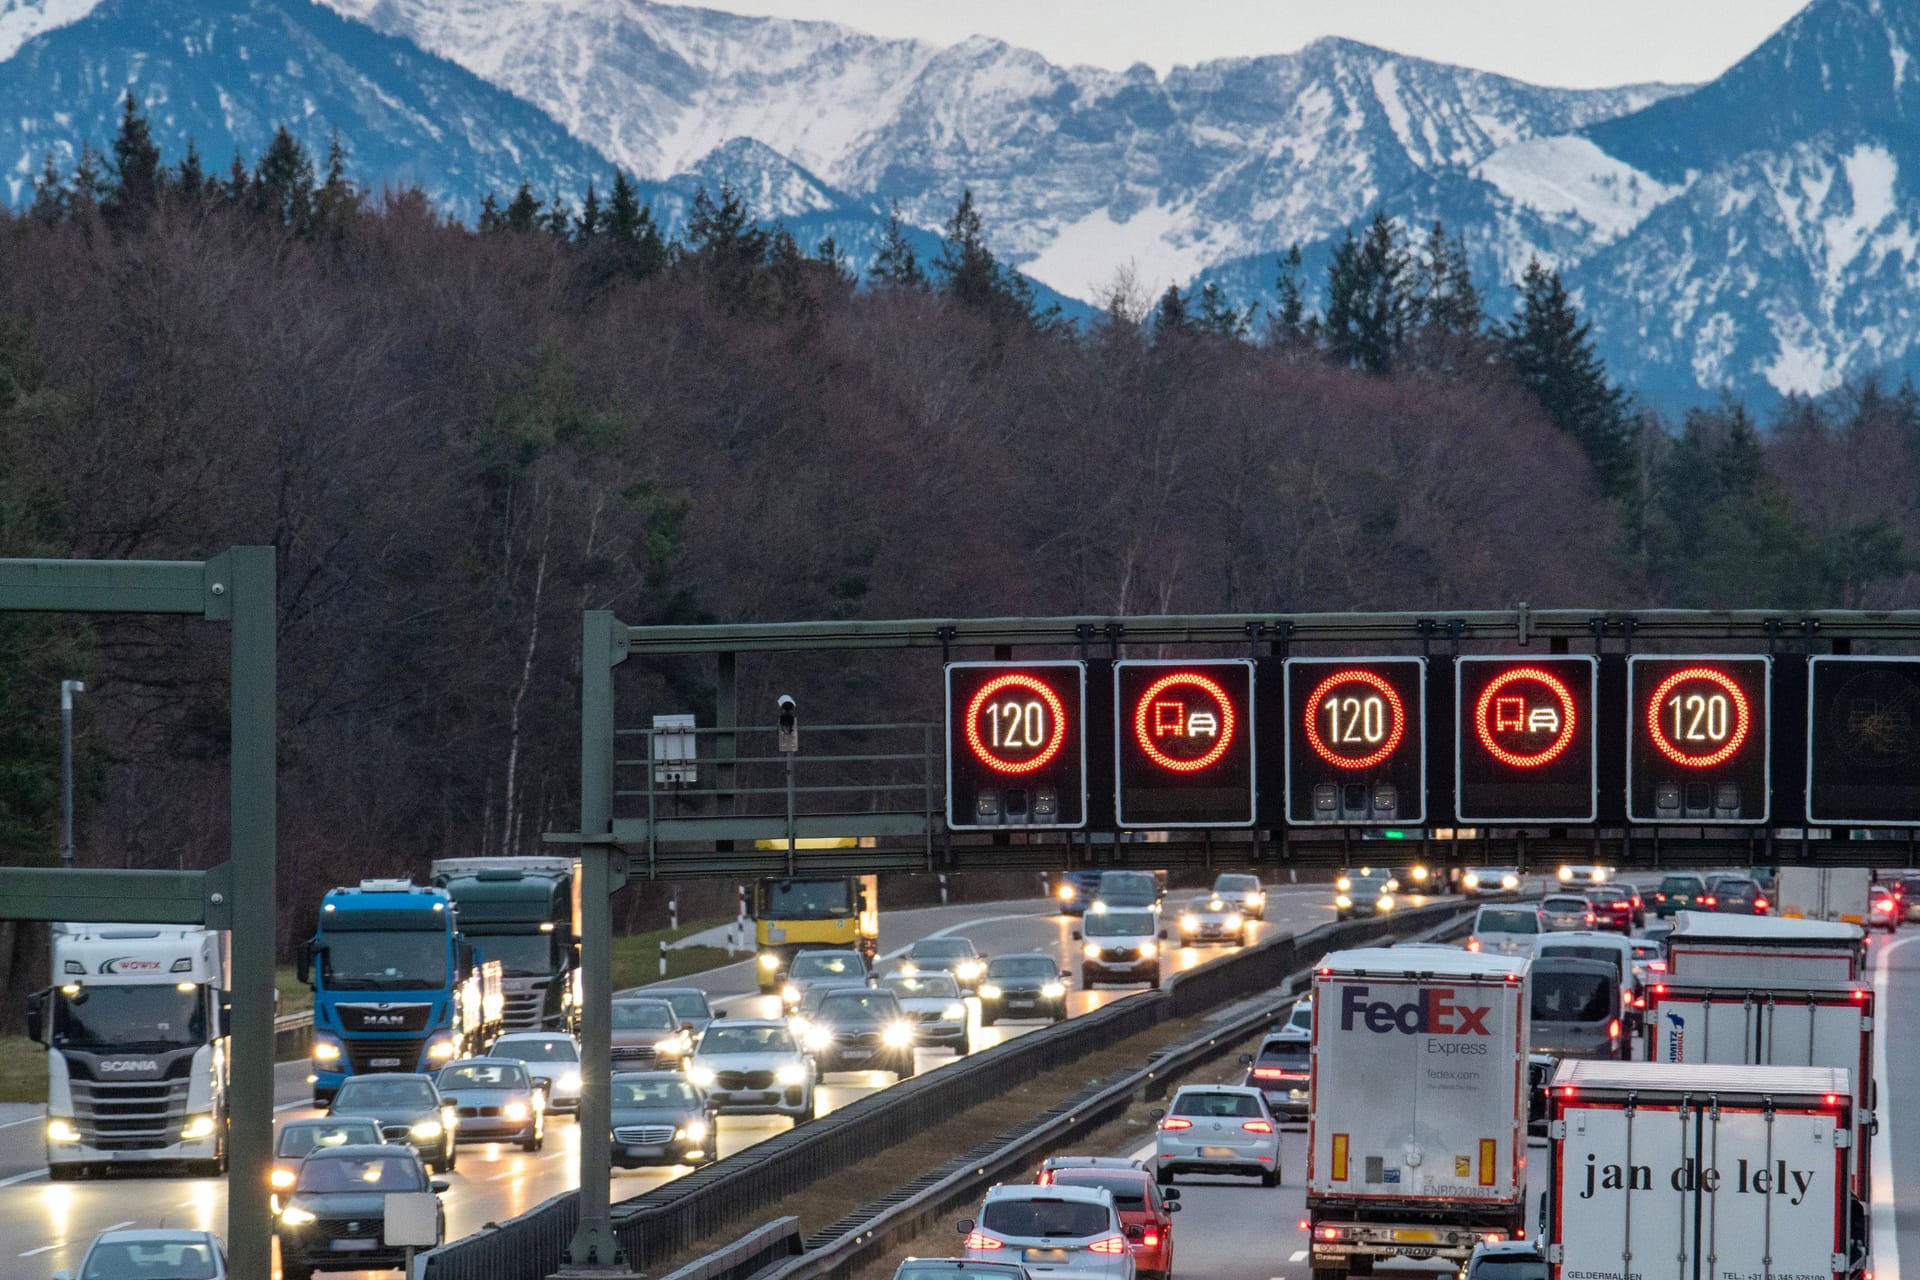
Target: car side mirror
<point>1163,935</point>
<point>964,1226</point>
<point>1173,1206</point>
<point>1076,935</point>
<point>1169,1194</point>
<point>1065,974</point>
<point>1158,1113</point>
<point>1136,1232</point>
<point>719,1013</point>
<point>1246,1059</point>
<point>439,1185</point>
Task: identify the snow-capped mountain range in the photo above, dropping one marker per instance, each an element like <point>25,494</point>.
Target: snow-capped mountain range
<point>1760,232</point>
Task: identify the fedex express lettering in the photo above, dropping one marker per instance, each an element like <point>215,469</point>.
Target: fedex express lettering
<point>1775,1181</point>
<point>1432,1013</point>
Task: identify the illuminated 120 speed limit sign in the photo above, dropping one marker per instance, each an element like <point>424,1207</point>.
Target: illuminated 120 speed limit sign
<point>1016,745</point>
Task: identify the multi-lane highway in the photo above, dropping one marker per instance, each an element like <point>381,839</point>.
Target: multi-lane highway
<point>47,1225</point>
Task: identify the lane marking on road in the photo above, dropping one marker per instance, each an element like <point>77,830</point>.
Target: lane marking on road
<point>1885,1225</point>
<point>14,1124</point>
<point>18,1178</point>
<point>1298,1255</point>
<point>45,1248</point>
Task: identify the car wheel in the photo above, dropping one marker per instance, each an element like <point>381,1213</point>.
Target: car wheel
<point>1153,983</point>
<point>1271,1179</point>
<point>537,1137</point>
<point>905,1070</point>
<point>295,1271</point>
<point>965,1047</point>
<point>1163,1176</point>
<point>453,1157</point>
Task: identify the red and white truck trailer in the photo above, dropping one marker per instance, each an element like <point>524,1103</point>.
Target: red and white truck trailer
<point>1700,1172</point>
<point>1705,947</point>
<point>1417,1136</point>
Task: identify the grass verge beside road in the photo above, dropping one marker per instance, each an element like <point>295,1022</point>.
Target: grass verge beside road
<point>636,958</point>
<point>23,1070</point>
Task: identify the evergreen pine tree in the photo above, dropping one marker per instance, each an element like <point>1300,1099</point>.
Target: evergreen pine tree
<point>1218,317</point>
<point>558,219</point>
<point>1448,300</point>
<point>337,201</point>
<point>283,182</point>
<point>1551,349</point>
<point>1369,306</point>
<point>897,264</point>
<point>49,195</point>
<point>523,213</point>
<point>640,249</point>
<point>190,178</point>
<point>490,220</point>
<point>590,219</point>
<point>238,182</point>
<point>728,246</point>
<point>136,163</point>
<point>1170,319</point>
<point>1291,326</point>
<point>972,276</point>
<point>88,183</point>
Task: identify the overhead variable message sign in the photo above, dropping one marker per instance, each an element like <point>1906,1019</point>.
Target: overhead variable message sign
<point>1184,749</point>
<point>1016,745</point>
<point>1698,734</point>
<point>1356,741</point>
<point>1524,739</point>
<point>1863,741</point>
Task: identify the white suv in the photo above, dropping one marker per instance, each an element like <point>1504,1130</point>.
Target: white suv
<point>1070,1233</point>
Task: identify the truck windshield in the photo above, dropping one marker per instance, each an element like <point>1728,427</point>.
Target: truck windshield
<point>378,961</point>
<point>132,1017</point>
<point>520,953</point>
<point>1571,997</point>
<point>1120,924</point>
<point>803,899</point>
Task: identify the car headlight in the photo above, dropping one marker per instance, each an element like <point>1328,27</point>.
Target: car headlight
<point>60,1129</point>
<point>1509,882</point>
<point>1256,899</point>
<point>294,1216</point>
<point>1420,875</point>
<point>1091,951</point>
<point>1393,883</point>
<point>818,1039</point>
<point>326,1051</point>
<point>1066,893</point>
<point>440,1050</point>
<point>1599,875</point>
<point>1342,901</point>
<point>280,1179</point>
<point>1053,990</point>
<point>968,970</point>
<point>909,969</point>
<point>705,1076</point>
<point>1385,903</point>
<point>1148,950</point>
<point>791,1074</point>
<point>1189,923</point>
<point>989,991</point>
<point>1343,884</point>
<point>197,1127</point>
<point>898,1035</point>
<point>769,961</point>
<point>570,1082</point>
<point>1565,873</point>
<point>516,1110</point>
<point>790,994</point>
<point>1234,920</point>
<point>1470,880</point>
<point>694,1132</point>
<point>955,1012</point>
<point>426,1129</point>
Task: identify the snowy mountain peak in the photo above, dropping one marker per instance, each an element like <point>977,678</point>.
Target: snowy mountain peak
<point>22,20</point>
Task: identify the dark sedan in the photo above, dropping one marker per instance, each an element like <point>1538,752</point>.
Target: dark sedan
<point>336,1217</point>
<point>1737,895</point>
<point>408,1108</point>
<point>1028,986</point>
<point>659,1117</point>
<point>858,1029</point>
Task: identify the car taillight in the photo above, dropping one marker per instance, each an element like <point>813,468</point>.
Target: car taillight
<point>1659,897</point>
<point>1109,1244</point>
<point>1759,906</point>
<point>980,1240</point>
<point>1707,900</point>
<point>1329,1233</point>
<point>1046,1178</point>
<point>1150,1240</point>
<point>1257,1126</point>
<point>1175,1122</point>
<point>1269,1073</point>
<point>1657,966</point>
<point>1621,906</point>
<point>1588,918</point>
<point>1613,1029</point>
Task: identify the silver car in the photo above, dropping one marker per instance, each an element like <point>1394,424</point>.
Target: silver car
<point>1507,931</point>
<point>1217,1128</point>
<point>552,1058</point>
<point>188,1255</point>
<point>1067,1233</point>
<point>496,1100</point>
<point>1567,911</point>
<point>934,1002</point>
<point>1211,918</point>
<point>753,1067</point>
<point>811,969</point>
<point>1491,880</point>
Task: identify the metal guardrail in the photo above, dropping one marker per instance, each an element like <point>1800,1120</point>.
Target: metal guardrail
<point>666,1221</point>
<point>759,1249</point>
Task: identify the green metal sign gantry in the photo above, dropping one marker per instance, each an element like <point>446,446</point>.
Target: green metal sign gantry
<point>236,587</point>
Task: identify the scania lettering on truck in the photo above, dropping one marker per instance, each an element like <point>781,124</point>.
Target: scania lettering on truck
<point>135,1029</point>
<point>524,913</point>
<point>395,985</point>
<point>1700,1172</point>
<point>1758,949</point>
<point>1800,1024</point>
<point>1416,1139</point>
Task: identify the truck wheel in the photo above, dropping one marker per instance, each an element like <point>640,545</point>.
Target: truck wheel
<point>1361,1264</point>
<point>295,1271</point>
<point>1329,1273</point>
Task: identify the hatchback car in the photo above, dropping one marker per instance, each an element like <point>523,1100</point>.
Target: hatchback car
<point>689,1005</point>
<point>1507,931</point>
<point>1491,879</point>
<point>959,1269</point>
<point>647,1032</point>
<point>1506,1260</point>
<point>1023,986</point>
<point>956,956</point>
<point>1217,1129</point>
<point>336,1215</point>
<point>298,1139</point>
<point>129,1255</point>
<point>660,1117</point>
<point>496,1101</point>
<point>1678,892</point>
<point>408,1108</point>
<point>1613,908</point>
<point>1146,1211</point>
<point>1244,891</point>
<point>1282,1069</point>
<point>1066,1233</point>
<point>934,1002</point>
<point>858,1029</point>
<point>552,1059</point>
<point>1567,911</point>
<point>1211,918</point>
<point>753,1067</point>
<point>812,969</point>
<point>1884,909</point>
<point>1737,896</point>
<point>1120,944</point>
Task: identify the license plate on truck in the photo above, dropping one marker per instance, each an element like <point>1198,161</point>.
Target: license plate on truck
<point>1415,1235</point>
<point>383,1062</point>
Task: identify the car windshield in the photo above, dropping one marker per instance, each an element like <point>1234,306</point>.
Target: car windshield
<point>1681,884</point>
<point>928,986</point>
<point>150,1016</point>
<point>689,1005</point>
<point>1208,1102</point>
<point>1129,1190</point>
<point>1236,884</point>
<point>1119,924</point>
<point>538,1048</point>
<point>739,1039</point>
<point>654,1093</point>
<point>1508,922</point>
<point>384,959</point>
<point>957,1271</point>
<point>297,1140</point>
<point>140,1259</point>
<point>1567,903</point>
<point>644,1015</point>
<point>519,953</point>
<point>485,1075</point>
<point>827,964</point>
<point>941,949</point>
<point>1126,886</point>
<point>1610,955</point>
<point>1022,967</point>
<point>857,1004</point>
<point>1648,951</point>
<point>371,1173</point>
<point>1210,902</point>
<point>1571,997</point>
<point>377,1093</point>
<point>1286,1057</point>
<point>1070,1219</point>
<point>1522,1268</point>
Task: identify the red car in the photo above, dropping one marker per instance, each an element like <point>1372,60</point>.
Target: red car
<point>1146,1211</point>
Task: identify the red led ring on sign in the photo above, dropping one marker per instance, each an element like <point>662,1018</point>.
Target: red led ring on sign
<point>1355,675</point>
<point>1547,753</point>
<point>1743,717</point>
<point>1033,684</point>
<point>1161,758</point>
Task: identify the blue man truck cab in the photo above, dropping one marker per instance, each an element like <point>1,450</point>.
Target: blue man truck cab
<point>396,987</point>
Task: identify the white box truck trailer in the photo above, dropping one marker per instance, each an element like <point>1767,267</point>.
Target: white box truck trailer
<point>1738,949</point>
<point>1762,1023</point>
<point>135,1029</point>
<point>1838,894</point>
<point>1695,1172</point>
<point>1416,1137</point>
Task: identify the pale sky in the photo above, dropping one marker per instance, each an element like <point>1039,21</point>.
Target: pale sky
<point>1583,43</point>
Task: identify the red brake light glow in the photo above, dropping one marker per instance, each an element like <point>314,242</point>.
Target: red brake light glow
<point>1329,1233</point>
<point>1150,1240</point>
<point>1257,1126</point>
<point>1110,1244</point>
<point>1175,1122</point>
<point>980,1240</point>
